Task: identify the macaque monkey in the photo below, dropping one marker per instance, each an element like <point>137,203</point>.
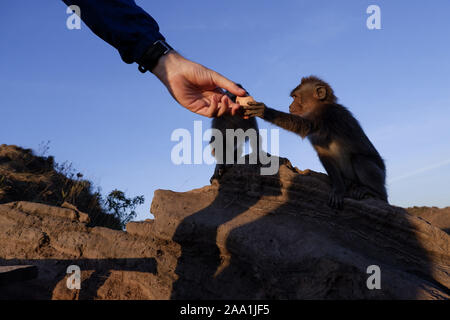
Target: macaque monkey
<point>235,122</point>
<point>353,164</point>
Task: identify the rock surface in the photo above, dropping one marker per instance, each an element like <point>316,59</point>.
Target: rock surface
<point>247,237</point>
<point>436,216</point>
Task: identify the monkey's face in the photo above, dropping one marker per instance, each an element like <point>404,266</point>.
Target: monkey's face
<point>304,102</point>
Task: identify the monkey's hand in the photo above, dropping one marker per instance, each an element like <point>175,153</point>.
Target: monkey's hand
<point>336,199</point>
<point>254,109</point>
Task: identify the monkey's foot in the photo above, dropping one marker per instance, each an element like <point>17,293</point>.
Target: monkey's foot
<point>336,200</point>
<point>359,193</point>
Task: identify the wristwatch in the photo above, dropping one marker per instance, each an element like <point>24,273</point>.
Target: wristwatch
<point>152,55</point>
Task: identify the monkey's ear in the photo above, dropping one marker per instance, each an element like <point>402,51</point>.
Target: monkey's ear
<point>320,92</point>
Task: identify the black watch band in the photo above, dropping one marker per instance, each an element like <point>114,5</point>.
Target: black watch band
<point>151,57</point>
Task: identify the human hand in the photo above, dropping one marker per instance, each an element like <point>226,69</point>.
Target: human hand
<point>254,109</point>
<point>196,87</point>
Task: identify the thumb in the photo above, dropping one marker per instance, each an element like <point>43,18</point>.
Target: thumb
<point>226,84</point>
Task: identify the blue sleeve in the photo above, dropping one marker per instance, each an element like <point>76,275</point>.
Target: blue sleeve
<point>121,23</point>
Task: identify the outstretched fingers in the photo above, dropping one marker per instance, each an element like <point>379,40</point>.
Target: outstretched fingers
<point>253,109</point>
<point>226,84</point>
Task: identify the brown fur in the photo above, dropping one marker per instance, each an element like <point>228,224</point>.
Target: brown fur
<point>353,164</point>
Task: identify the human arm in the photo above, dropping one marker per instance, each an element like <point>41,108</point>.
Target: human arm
<point>122,24</point>
<point>133,32</point>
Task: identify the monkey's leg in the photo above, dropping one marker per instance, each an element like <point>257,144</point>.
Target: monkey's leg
<point>219,170</point>
<point>256,148</point>
<point>336,198</point>
<point>230,154</point>
<point>371,178</point>
<point>238,149</point>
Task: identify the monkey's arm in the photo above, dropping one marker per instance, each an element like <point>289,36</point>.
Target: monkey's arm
<point>287,121</point>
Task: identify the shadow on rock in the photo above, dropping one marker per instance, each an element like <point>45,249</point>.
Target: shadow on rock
<point>52,276</point>
<point>276,238</point>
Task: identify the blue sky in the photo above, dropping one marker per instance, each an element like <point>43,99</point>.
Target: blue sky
<point>114,124</point>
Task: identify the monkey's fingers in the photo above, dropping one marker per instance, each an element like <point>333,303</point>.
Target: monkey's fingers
<point>251,113</point>
<point>253,107</point>
<point>254,103</point>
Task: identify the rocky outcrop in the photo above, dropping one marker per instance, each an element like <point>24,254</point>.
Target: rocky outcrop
<point>25,176</point>
<point>247,237</point>
<point>436,216</point>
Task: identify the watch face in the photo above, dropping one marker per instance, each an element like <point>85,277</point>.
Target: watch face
<point>165,47</point>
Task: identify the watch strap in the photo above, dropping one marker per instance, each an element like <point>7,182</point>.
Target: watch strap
<point>152,55</point>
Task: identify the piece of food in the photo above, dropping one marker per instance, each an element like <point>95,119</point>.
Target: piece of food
<point>243,101</point>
